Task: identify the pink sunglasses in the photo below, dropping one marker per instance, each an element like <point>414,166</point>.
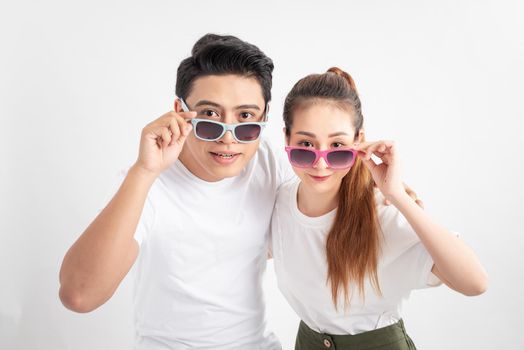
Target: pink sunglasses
<point>307,157</point>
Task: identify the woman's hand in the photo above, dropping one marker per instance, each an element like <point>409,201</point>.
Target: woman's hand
<point>387,175</point>
<point>162,141</point>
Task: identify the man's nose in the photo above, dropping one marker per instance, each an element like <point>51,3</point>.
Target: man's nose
<point>227,138</point>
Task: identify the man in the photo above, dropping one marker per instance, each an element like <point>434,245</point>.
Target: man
<point>197,206</point>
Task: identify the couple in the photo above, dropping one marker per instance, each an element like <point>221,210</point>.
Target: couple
<point>207,200</point>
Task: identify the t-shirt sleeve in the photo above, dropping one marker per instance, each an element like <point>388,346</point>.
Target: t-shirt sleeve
<point>285,172</point>
<point>145,224</point>
<point>404,248</point>
<point>147,217</point>
<point>422,264</point>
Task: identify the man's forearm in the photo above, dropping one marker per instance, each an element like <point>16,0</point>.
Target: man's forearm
<point>101,257</point>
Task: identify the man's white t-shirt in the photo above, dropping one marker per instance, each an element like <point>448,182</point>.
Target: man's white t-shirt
<point>299,253</point>
<point>203,250</point>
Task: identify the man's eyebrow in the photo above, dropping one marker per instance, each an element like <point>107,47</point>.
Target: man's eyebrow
<point>253,106</point>
<point>217,105</point>
<point>310,134</point>
<point>207,103</point>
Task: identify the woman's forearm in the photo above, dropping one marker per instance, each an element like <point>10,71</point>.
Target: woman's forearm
<point>455,263</point>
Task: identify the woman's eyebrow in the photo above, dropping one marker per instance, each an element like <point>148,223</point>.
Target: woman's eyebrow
<point>338,134</point>
<point>310,134</point>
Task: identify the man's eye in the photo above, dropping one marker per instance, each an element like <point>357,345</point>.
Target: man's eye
<point>209,113</point>
<point>246,115</point>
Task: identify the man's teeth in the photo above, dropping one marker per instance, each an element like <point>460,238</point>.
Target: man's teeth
<point>224,155</point>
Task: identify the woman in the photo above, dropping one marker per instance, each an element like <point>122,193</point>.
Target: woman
<point>344,261</point>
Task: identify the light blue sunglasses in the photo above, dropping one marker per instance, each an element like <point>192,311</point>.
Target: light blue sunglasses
<point>210,130</point>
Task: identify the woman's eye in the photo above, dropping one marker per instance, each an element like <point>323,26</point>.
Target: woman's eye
<point>337,144</point>
<point>306,144</point>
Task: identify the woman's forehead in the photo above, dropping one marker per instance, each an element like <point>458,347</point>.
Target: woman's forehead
<point>323,120</point>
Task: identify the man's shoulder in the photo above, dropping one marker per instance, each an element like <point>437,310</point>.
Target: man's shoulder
<point>273,156</point>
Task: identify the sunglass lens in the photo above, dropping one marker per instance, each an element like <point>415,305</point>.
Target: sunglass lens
<point>247,132</point>
<point>208,131</point>
<point>340,159</point>
<point>302,157</point>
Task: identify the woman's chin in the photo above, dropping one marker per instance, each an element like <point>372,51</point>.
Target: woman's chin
<point>320,185</point>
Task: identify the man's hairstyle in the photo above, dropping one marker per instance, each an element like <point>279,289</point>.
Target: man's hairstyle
<point>220,55</point>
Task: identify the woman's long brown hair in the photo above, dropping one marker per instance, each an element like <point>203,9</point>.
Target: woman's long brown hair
<point>353,243</point>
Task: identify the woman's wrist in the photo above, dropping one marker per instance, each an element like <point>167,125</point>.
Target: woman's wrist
<point>398,198</point>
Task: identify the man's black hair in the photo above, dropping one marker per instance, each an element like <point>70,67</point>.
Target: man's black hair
<point>220,55</point>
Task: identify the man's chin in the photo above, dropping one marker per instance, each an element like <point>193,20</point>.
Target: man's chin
<point>223,171</point>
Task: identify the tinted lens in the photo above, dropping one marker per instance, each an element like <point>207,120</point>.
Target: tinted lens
<point>302,157</point>
<point>340,159</point>
<point>208,131</point>
<point>247,132</point>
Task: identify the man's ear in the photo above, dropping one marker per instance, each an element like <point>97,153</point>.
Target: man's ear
<point>177,105</point>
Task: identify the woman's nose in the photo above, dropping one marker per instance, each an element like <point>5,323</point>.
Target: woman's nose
<point>321,164</point>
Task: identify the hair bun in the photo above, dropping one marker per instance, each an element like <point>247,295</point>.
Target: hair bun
<point>344,75</point>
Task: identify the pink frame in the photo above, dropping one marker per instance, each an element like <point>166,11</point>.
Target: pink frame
<point>321,153</point>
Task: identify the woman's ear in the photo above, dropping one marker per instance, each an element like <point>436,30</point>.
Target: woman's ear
<point>361,137</point>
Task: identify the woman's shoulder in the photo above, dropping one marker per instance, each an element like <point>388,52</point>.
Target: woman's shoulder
<point>394,226</point>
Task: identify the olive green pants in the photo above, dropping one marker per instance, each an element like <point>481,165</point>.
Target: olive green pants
<point>392,337</point>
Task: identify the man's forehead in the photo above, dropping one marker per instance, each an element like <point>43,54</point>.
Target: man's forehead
<point>227,91</point>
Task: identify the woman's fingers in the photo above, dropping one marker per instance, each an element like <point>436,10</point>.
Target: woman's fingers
<point>369,163</point>
<point>380,149</point>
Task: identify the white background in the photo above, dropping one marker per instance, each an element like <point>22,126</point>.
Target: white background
<point>78,81</point>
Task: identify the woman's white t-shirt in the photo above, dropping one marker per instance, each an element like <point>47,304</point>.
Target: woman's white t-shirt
<point>299,252</point>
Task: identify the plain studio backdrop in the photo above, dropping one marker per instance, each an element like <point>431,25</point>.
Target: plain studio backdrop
<point>79,80</point>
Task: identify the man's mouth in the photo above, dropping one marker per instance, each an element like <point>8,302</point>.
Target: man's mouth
<point>225,157</point>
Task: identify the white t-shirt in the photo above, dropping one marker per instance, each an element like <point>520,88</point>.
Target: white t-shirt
<point>203,250</point>
<point>299,253</point>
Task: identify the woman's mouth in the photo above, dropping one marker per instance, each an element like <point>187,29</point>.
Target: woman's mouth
<point>320,178</point>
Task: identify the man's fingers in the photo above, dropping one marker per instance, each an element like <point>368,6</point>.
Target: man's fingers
<point>184,125</point>
<point>166,136</point>
<point>186,115</point>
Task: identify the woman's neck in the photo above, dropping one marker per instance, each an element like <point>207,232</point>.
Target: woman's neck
<point>313,204</point>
